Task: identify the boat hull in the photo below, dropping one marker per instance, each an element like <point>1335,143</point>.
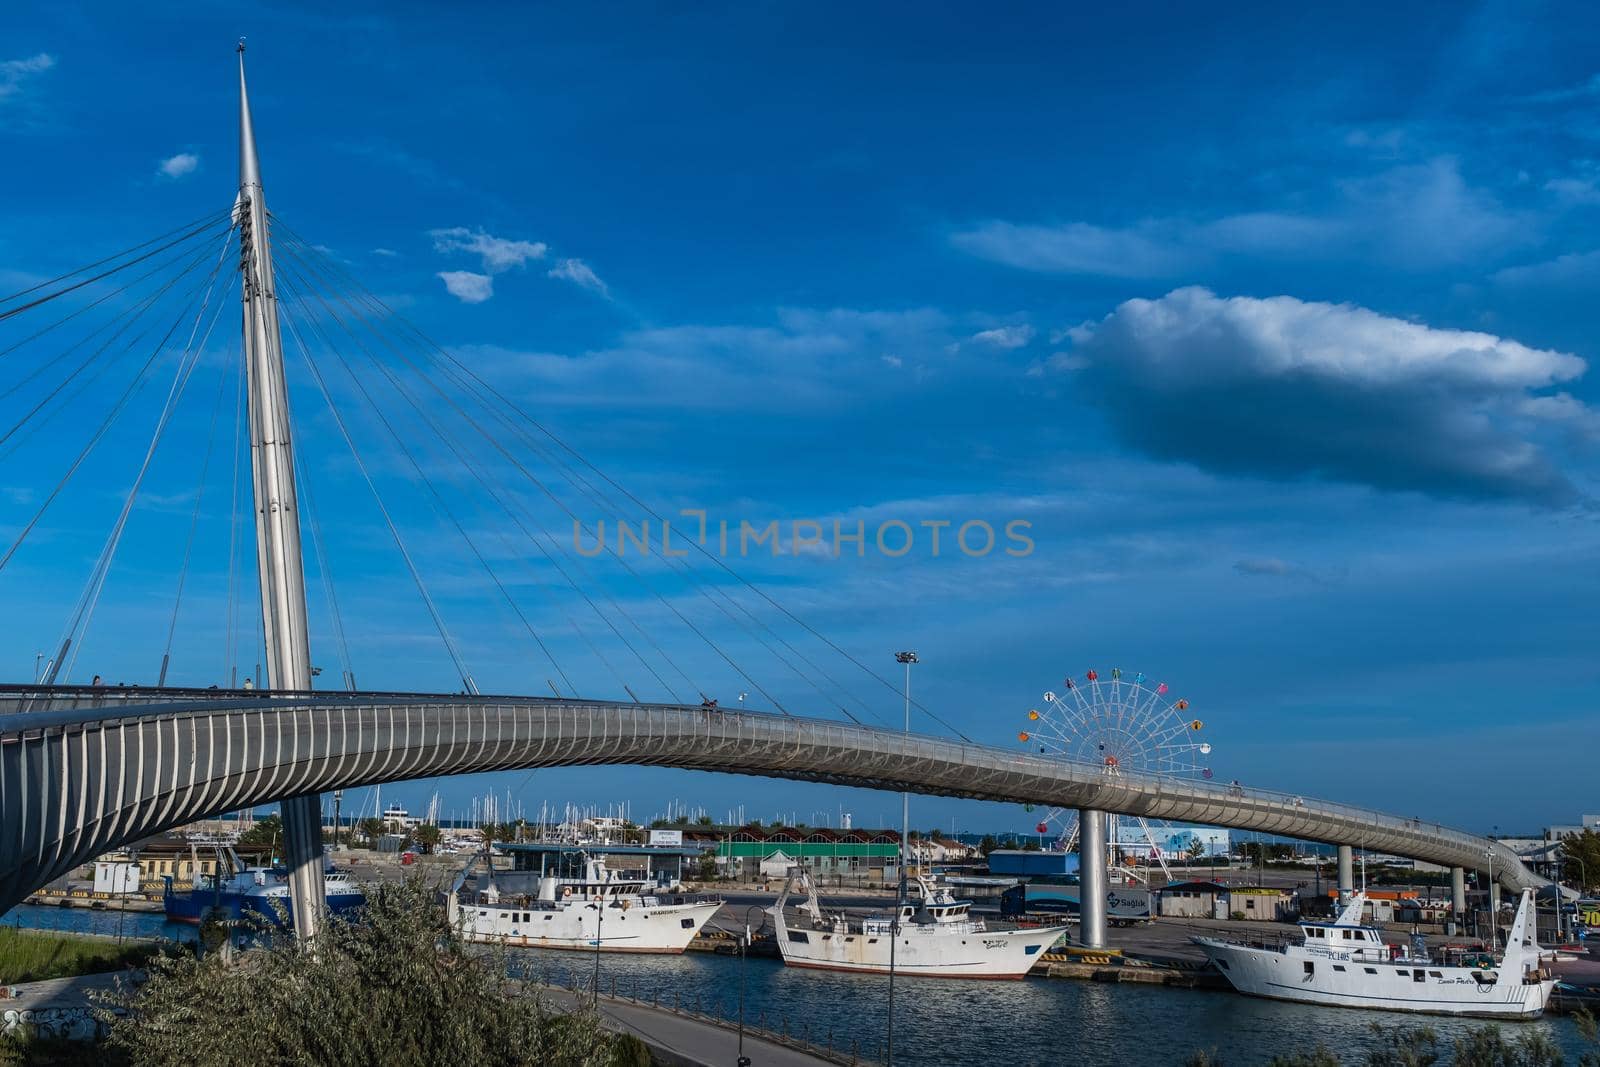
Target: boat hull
<point>664,929</point>
<point>1005,954</point>
<point>1380,986</point>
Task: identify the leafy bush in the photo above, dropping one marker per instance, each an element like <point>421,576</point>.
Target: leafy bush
<point>395,986</point>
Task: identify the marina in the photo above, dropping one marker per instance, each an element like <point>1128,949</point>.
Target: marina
<point>1171,870</point>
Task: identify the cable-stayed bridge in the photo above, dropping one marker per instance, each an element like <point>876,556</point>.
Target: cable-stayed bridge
<point>84,768</point>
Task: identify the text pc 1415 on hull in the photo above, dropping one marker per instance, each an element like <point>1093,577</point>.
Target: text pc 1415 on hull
<point>937,938</point>
<point>1346,963</point>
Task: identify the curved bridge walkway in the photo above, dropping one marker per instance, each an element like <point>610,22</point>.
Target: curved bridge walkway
<point>85,770</point>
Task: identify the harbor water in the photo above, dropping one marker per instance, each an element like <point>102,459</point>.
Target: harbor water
<point>938,1021</point>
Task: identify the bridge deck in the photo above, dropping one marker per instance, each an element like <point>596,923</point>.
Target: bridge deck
<point>78,780</point>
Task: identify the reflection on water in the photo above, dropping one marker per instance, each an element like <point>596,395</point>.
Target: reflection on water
<point>89,921</point>
<point>937,1022</point>
<point>1035,1021</point>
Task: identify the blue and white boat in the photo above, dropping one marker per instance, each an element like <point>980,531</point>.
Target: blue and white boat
<point>254,891</point>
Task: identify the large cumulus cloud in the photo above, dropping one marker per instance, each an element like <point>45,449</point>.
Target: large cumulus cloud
<point>1285,388</point>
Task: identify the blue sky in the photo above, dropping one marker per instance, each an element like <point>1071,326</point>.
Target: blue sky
<point>1275,326</point>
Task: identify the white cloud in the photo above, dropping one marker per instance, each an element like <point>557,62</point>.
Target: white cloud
<point>808,359</point>
<point>467,287</point>
<point>387,253</point>
<point>499,254</point>
<point>892,360</point>
<point>15,72</point>
<point>1415,216</point>
<point>1287,389</point>
<point>1575,190</point>
<point>1575,270</point>
<point>1006,337</point>
<point>1143,251</point>
<point>179,166</point>
<point>579,273</point>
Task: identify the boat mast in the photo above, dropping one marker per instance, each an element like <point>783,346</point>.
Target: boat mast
<point>280,565</point>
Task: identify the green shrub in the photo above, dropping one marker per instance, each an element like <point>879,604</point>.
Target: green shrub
<point>394,986</point>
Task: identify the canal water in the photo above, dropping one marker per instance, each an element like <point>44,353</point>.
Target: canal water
<point>940,1022</point>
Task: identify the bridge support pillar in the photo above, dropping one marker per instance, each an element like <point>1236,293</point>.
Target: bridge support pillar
<point>1458,901</point>
<point>1091,878</point>
<point>1347,874</point>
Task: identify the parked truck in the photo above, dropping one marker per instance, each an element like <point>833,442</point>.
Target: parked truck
<point>1124,906</point>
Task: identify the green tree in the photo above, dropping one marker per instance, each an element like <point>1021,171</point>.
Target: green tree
<point>428,836</point>
<point>1196,850</point>
<point>704,820</point>
<point>372,829</point>
<point>988,844</point>
<point>1580,859</point>
<point>266,833</point>
<point>396,987</point>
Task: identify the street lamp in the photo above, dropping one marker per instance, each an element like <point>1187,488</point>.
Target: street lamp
<point>744,954</point>
<point>906,658</point>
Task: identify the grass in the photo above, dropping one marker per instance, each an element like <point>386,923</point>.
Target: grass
<point>32,956</point>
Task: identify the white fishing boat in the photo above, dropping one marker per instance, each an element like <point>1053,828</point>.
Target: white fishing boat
<point>1346,963</point>
<point>601,911</point>
<point>937,938</point>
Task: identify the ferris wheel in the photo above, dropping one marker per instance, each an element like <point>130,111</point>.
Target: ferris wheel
<point>1120,723</point>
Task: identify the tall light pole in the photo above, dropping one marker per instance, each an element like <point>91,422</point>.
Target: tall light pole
<point>907,658</point>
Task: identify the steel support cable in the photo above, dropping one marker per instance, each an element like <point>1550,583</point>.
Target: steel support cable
<point>188,360</point>
<point>230,666</point>
<point>705,589</point>
<point>187,253</point>
<point>105,426</point>
<point>13,312</point>
<point>563,506</point>
<point>325,574</point>
<point>473,469</point>
<point>440,504</point>
<point>127,321</point>
<point>115,256</point>
<point>194,523</point>
<point>394,532</point>
<point>519,432</point>
<point>488,487</point>
<point>516,409</point>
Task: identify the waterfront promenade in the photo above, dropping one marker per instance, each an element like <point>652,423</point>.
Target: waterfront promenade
<point>64,1007</point>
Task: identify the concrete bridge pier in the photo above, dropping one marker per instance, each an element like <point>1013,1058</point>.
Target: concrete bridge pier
<point>1347,874</point>
<point>1458,900</point>
<point>1091,878</point>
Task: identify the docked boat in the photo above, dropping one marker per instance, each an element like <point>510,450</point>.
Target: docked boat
<point>938,937</point>
<point>1346,963</point>
<point>261,892</point>
<point>601,911</point>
